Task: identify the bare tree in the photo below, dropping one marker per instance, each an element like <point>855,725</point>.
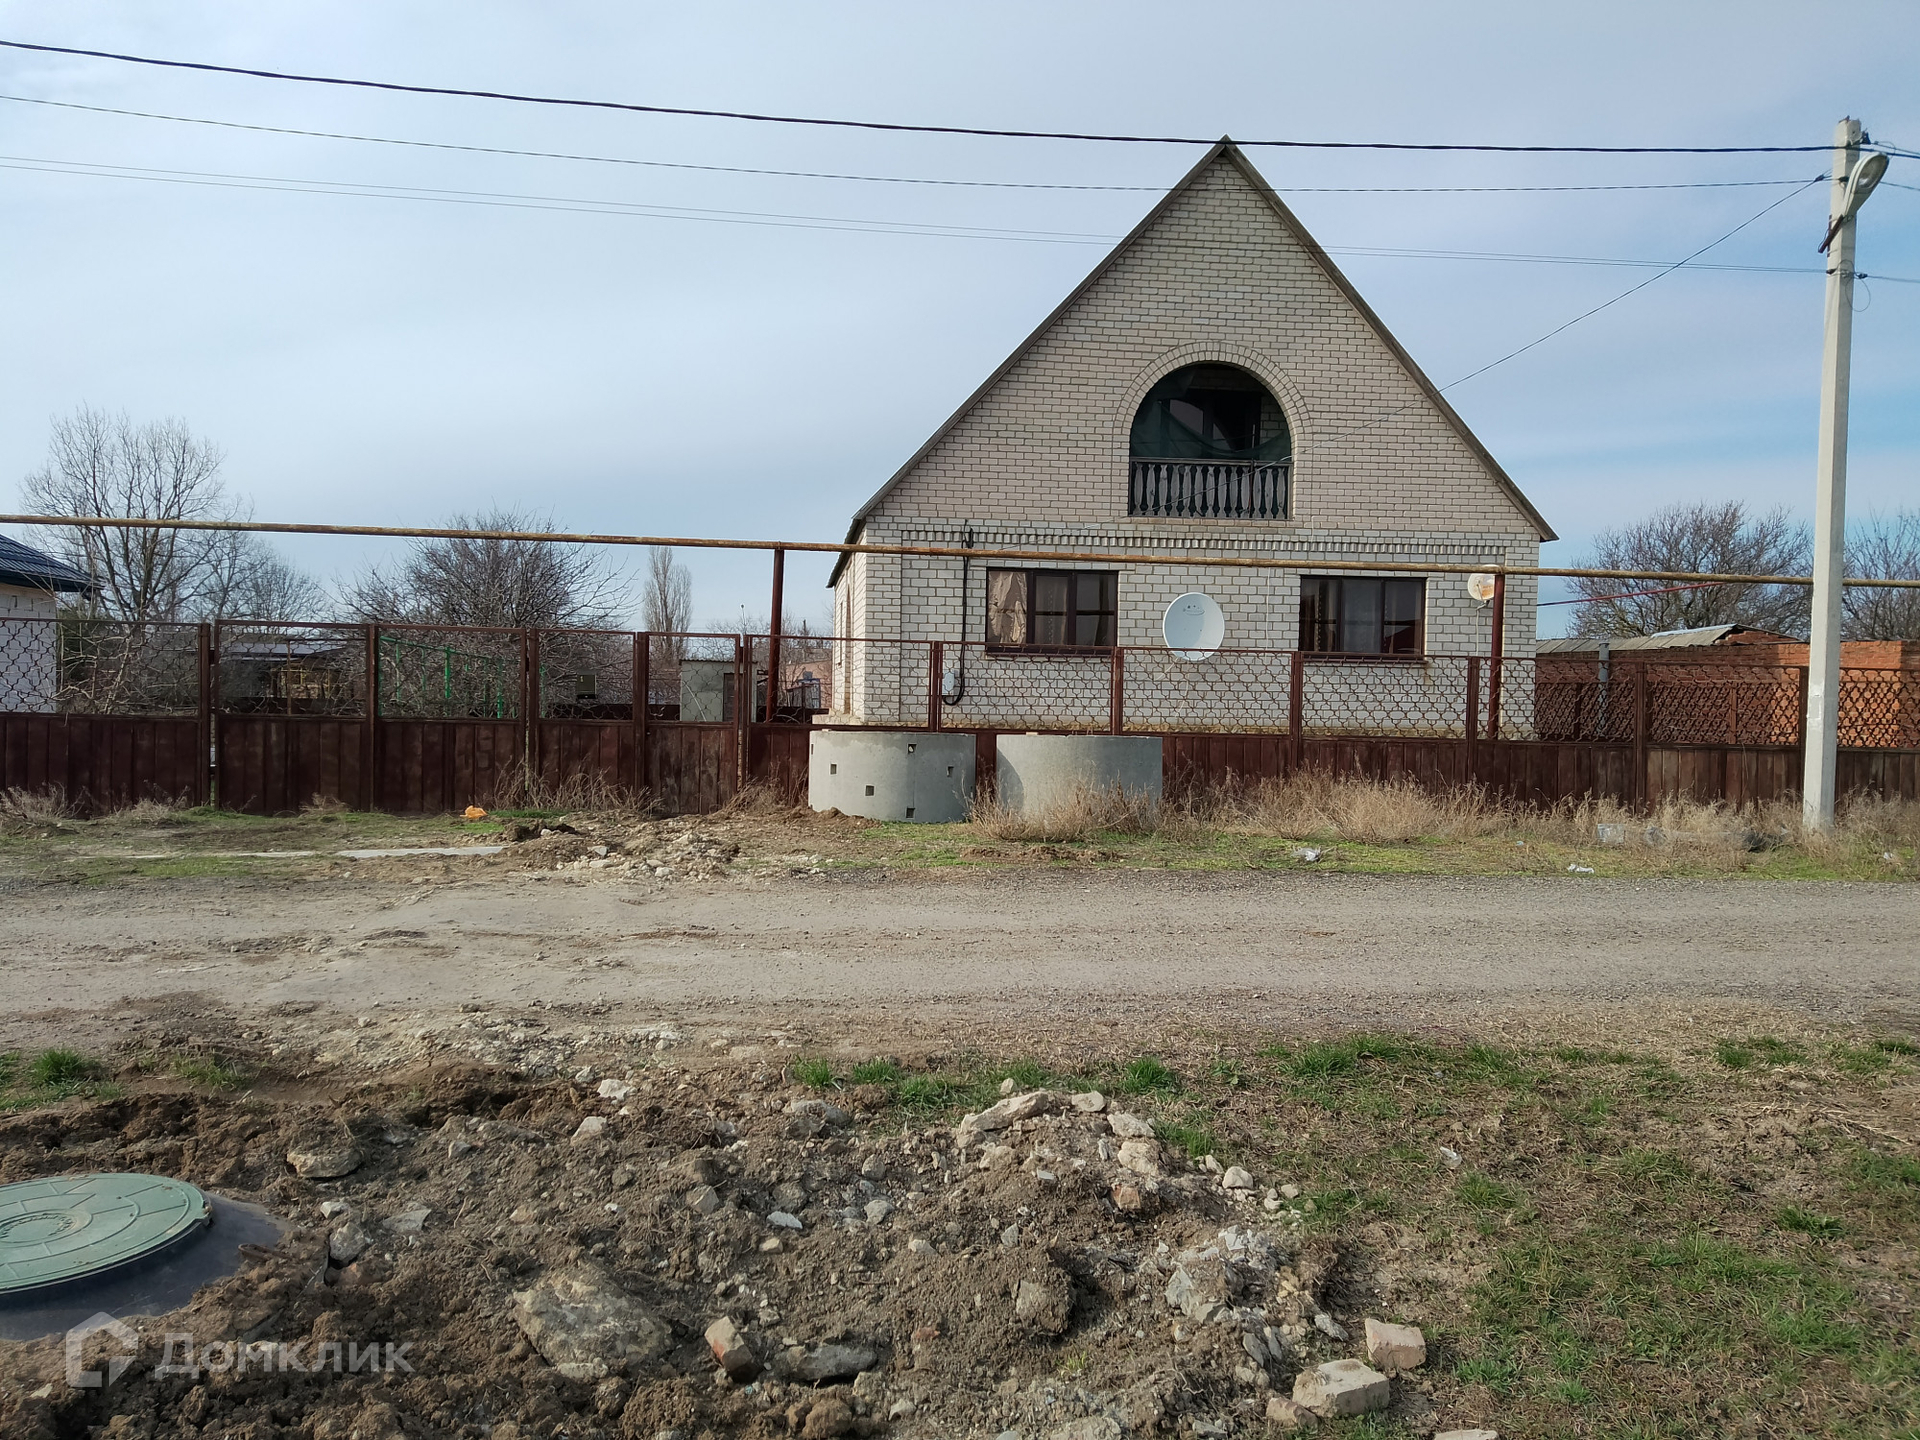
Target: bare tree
<point>666,599</point>
<point>102,464</point>
<point>492,581</point>
<point>1885,547</point>
<point>247,579</point>
<point>1702,538</point>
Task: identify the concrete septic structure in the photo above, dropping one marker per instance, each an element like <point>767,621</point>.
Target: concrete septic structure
<point>1036,772</point>
<point>891,774</point>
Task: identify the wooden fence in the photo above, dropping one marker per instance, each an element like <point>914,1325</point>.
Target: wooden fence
<point>418,720</point>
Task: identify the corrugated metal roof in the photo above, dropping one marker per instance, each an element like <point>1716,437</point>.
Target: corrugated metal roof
<point>23,565</point>
<point>1665,640</point>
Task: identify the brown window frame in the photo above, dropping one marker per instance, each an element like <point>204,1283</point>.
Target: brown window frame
<point>1070,614</point>
<point>1316,629</point>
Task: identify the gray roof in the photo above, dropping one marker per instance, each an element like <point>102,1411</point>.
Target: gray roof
<point>1225,149</point>
<point>23,565</point>
<point>1665,640</point>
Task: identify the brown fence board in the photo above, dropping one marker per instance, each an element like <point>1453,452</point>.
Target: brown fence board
<point>103,762</point>
<point>277,764</point>
<point>779,756</point>
<point>690,767</point>
<point>595,755</point>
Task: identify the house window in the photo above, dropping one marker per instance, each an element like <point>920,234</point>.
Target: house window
<point>1052,609</point>
<point>1362,615</point>
<point>1209,442</point>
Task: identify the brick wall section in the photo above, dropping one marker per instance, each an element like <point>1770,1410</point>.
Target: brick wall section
<point>1040,461</point>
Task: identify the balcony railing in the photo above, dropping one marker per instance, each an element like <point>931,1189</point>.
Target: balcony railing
<point>1208,489</point>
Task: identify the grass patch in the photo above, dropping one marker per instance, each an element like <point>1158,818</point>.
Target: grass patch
<point>877,1072</point>
<point>814,1072</point>
<point>209,1070</point>
<point>1809,1222</point>
<point>1483,1192</point>
<point>1148,1075</point>
<point>1190,1136</point>
<point>1756,1050</point>
<point>50,1077</point>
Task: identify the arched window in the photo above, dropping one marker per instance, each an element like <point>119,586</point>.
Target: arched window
<point>1209,442</point>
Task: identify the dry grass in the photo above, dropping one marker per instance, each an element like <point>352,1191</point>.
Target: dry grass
<point>34,807</point>
<point>591,794</point>
<point>1079,815</point>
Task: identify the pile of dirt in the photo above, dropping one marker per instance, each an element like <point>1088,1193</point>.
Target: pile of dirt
<point>527,1259</point>
<point>680,848</point>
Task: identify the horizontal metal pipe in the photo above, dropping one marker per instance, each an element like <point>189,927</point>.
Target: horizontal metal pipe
<point>956,552</point>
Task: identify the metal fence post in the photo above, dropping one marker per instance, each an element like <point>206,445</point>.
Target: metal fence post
<point>370,782</point>
<point>208,759</point>
<point>1641,788</point>
<point>1117,700</point>
<point>936,681</point>
<point>642,694</point>
<point>1297,709</point>
<point>1473,719</point>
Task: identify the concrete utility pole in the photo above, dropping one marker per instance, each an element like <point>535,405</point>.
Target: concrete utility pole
<point>1853,181</point>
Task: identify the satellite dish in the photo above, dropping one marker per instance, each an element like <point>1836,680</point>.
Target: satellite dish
<point>1194,626</point>
<point>1480,587</point>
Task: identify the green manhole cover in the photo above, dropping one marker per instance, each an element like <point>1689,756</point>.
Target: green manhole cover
<point>79,1225</point>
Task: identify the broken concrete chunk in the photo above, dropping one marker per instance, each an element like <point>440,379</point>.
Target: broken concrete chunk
<point>992,1157</point>
<point>586,1326</point>
<point>1045,1301</point>
<point>1394,1348</point>
<point>878,1210</point>
<point>999,1116</point>
<point>324,1159</point>
<point>703,1200</point>
<point>784,1221</point>
<point>730,1348</point>
<point>1327,1325</point>
<point>615,1090</point>
<point>410,1221</point>
<point>1284,1415</point>
<point>1088,1102</point>
<point>1129,1199</point>
<point>1130,1127</point>
<point>1468,1435</point>
<point>825,1110</point>
<point>828,1362</point>
<point>1199,1285</point>
<point>1341,1388</point>
<point>330,1208</point>
<point>1237,1179</point>
<point>347,1244</point>
<point>590,1127</point>
<point>874,1168</point>
<point>1142,1157</point>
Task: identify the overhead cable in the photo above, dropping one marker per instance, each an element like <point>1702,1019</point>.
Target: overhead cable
<point>273,184</point>
<point>870,179</point>
<point>828,547</point>
<point>898,126</point>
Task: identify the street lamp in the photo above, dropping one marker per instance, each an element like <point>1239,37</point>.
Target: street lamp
<point>1854,178</point>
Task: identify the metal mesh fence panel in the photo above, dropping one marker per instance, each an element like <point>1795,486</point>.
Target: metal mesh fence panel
<point>1238,690</point>
<point>1880,709</point>
<point>586,674</point>
<point>1422,699</point>
<point>291,669</point>
<point>432,673</point>
<point>1722,704</point>
<point>1576,697</point>
<point>81,666</point>
<point>1003,690</point>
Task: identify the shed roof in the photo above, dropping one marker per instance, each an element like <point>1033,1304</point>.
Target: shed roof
<point>23,565</point>
<point>1698,637</point>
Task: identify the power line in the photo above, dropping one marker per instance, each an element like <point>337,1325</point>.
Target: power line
<point>871,179</point>
<point>897,126</point>
<point>954,552</point>
<point>574,205</point>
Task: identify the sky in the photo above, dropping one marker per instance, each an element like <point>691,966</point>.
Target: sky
<point>657,348</point>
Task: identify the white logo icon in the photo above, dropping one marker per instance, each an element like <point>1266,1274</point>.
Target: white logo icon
<point>124,1334</point>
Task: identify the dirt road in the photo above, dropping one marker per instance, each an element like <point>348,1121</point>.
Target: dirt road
<point>1344,949</point>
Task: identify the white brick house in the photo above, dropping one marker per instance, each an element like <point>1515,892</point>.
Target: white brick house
<point>30,586</point>
<point>1214,387</point>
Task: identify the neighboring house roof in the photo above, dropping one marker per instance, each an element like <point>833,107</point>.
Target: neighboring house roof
<point>23,565</point>
<point>1224,148</point>
<point>1666,640</point>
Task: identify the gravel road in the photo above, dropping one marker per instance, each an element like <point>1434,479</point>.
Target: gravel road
<point>993,945</point>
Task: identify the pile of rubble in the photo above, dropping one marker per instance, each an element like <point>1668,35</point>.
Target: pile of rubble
<point>652,1253</point>
<point>664,849</point>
